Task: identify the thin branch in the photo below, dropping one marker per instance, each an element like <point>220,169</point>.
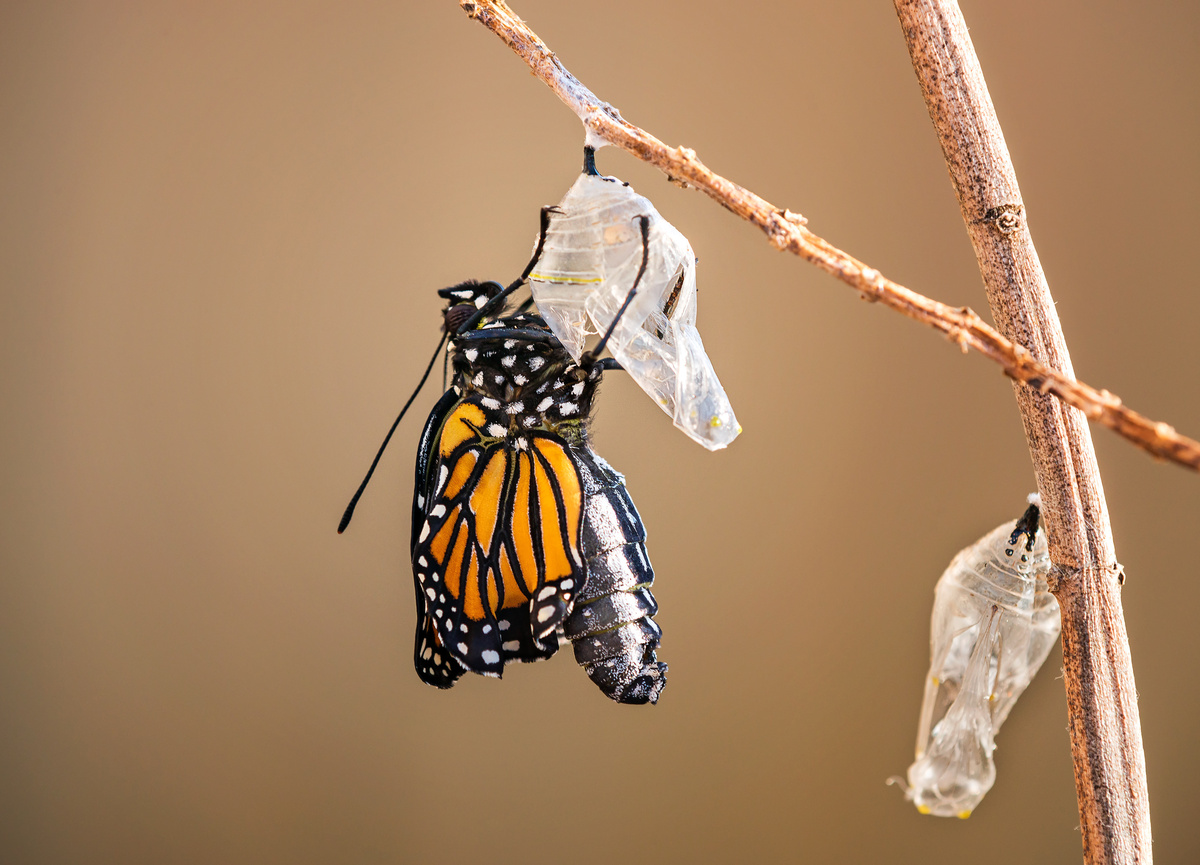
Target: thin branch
<point>1106,737</point>
<point>786,230</point>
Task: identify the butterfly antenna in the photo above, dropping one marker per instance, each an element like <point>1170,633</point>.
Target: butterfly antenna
<point>645,221</point>
<point>358,493</point>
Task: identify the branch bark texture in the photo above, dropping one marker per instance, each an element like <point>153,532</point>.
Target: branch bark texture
<point>786,230</point>
<point>1110,772</point>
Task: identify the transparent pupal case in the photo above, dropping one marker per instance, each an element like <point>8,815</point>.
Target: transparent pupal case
<point>591,257</point>
<point>994,623</point>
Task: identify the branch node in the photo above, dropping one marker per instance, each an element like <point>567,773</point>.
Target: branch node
<point>871,284</point>
<point>1057,575</point>
<point>779,229</point>
<point>792,217</point>
<point>1005,218</point>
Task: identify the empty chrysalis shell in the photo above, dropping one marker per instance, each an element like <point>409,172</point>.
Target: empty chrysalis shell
<point>994,622</point>
<point>591,257</point>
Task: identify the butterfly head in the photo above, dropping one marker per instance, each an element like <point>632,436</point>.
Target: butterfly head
<point>464,300</point>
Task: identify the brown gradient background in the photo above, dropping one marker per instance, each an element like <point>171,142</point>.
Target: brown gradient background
<point>221,229</point>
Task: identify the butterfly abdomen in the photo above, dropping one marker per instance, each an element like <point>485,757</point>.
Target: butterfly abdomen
<point>612,626</point>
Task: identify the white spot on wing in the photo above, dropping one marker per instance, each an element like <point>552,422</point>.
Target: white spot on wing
<point>490,656</point>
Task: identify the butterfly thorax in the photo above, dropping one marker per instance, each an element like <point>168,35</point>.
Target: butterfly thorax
<point>524,384</point>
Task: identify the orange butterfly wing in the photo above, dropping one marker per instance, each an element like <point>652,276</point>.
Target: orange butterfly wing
<point>496,559</point>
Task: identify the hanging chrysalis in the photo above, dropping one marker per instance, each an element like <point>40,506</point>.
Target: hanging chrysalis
<point>602,238</point>
<point>994,622</point>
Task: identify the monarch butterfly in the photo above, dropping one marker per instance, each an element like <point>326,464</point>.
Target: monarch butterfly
<point>994,622</point>
<point>590,257</point>
<point>522,536</point>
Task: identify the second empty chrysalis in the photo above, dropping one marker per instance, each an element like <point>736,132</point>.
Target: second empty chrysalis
<point>994,622</point>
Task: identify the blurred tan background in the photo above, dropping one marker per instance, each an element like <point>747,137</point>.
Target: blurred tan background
<point>221,230</point>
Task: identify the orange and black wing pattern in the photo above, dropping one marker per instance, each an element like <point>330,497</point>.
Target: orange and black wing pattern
<point>497,520</point>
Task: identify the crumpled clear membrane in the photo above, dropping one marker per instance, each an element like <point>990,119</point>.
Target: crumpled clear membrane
<point>589,262</point>
<point>994,622</point>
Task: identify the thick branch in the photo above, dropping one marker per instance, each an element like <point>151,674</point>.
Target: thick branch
<point>1106,739</point>
<point>786,230</point>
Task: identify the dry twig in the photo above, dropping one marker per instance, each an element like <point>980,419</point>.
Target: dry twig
<point>786,230</point>
<point>1106,737</point>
